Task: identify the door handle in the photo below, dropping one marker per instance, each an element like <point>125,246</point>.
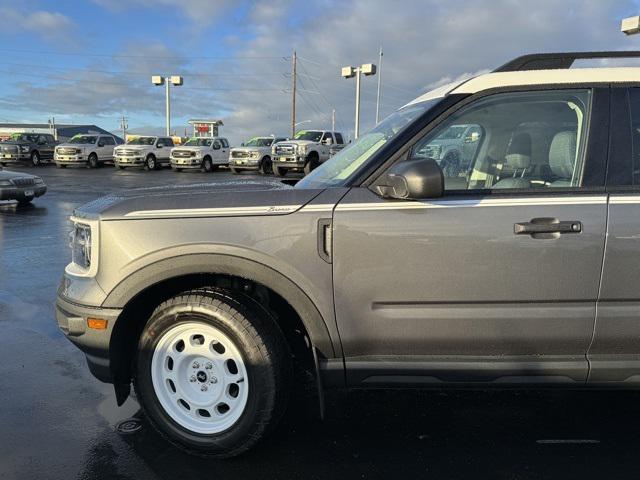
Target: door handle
<point>549,227</point>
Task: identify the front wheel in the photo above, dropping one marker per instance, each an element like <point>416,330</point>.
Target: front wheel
<point>92,161</point>
<point>207,165</point>
<point>266,167</point>
<point>151,163</point>
<point>35,159</point>
<point>279,172</point>
<point>311,165</point>
<point>212,372</point>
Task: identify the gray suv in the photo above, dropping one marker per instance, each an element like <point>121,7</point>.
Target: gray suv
<point>378,269</point>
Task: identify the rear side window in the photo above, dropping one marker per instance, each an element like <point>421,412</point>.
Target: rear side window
<point>108,140</point>
<point>168,142</point>
<point>634,98</point>
<point>339,139</point>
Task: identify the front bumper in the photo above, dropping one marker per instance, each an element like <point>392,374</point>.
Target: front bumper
<point>244,164</point>
<point>294,161</point>
<point>70,159</point>
<point>185,163</point>
<point>14,157</point>
<point>129,161</point>
<point>72,321</point>
<point>22,193</point>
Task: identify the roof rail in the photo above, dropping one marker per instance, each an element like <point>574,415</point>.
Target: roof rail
<point>550,61</point>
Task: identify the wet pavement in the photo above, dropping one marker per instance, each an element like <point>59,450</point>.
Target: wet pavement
<point>58,422</point>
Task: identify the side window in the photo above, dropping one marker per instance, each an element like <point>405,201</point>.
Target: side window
<point>634,98</point>
<point>224,142</point>
<point>168,142</point>
<point>339,139</point>
<point>43,140</point>
<point>216,145</point>
<point>107,140</point>
<point>512,141</point>
<point>327,135</point>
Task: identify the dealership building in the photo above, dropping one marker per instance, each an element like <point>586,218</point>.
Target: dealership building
<point>62,132</point>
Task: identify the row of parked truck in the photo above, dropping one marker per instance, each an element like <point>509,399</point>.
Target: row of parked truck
<point>268,154</point>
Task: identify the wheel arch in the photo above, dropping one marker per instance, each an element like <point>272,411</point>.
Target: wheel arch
<point>141,291</point>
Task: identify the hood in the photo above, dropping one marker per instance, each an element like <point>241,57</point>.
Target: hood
<point>14,142</point>
<point>298,142</point>
<point>248,149</point>
<point>8,175</point>
<point>237,198</point>
<point>133,147</point>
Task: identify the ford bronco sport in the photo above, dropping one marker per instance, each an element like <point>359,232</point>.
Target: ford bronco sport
<point>377,269</point>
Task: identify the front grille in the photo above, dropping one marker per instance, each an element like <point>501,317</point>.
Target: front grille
<point>127,153</point>
<point>23,181</point>
<point>9,149</point>
<point>285,149</point>
<point>182,154</point>
<point>240,154</point>
<point>67,151</point>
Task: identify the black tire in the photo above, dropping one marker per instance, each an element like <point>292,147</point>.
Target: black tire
<point>264,350</point>
<point>266,166</point>
<point>59,165</point>
<point>235,171</point>
<point>279,172</point>
<point>178,169</point>
<point>207,164</point>
<point>25,201</point>
<point>451,164</point>
<point>312,164</point>
<point>35,159</point>
<point>151,163</point>
<point>121,167</point>
<point>92,161</point>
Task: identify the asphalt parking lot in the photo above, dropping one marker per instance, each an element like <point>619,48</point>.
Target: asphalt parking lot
<point>57,421</point>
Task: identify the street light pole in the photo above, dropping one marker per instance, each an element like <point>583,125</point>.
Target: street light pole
<point>175,80</point>
<point>379,85</point>
<point>348,72</point>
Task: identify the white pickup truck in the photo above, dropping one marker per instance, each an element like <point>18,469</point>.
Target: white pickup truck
<point>307,150</point>
<point>254,155</point>
<point>146,151</point>
<point>206,153</point>
<point>90,150</point>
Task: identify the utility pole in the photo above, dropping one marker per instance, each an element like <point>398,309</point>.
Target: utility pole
<point>294,61</point>
<point>124,126</point>
<point>379,82</point>
<point>333,120</point>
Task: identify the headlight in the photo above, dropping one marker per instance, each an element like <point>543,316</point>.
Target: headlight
<point>302,149</point>
<point>80,243</point>
<point>255,154</point>
<point>39,181</point>
<point>5,183</point>
<point>24,148</point>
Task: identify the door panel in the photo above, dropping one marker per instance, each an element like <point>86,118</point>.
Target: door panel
<point>449,280</point>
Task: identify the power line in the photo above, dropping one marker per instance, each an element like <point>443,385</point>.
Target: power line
<point>170,57</point>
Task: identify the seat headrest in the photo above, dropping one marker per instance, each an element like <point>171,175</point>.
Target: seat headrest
<point>562,154</point>
<point>519,151</point>
<point>516,161</point>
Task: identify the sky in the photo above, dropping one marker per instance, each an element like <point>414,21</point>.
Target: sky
<point>90,61</point>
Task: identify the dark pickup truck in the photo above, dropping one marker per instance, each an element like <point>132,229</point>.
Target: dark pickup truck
<point>35,148</point>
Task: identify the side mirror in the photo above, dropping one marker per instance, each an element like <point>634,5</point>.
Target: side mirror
<point>327,141</point>
<point>412,180</point>
<point>101,144</point>
<point>159,145</point>
<point>242,144</point>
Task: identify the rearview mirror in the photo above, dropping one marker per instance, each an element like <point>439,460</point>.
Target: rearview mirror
<point>412,180</point>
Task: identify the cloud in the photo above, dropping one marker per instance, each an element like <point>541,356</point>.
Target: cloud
<point>52,26</point>
<point>201,12</point>
<point>426,43</point>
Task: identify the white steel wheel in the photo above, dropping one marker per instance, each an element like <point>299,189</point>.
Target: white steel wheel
<point>200,378</point>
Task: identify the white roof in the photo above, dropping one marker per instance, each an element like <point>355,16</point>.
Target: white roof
<point>535,77</point>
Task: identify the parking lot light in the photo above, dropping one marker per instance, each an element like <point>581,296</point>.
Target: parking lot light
<point>175,80</point>
<point>630,25</point>
<point>349,72</point>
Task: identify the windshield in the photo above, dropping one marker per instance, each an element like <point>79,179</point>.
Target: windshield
<point>259,142</point>
<point>23,137</point>
<point>84,139</point>
<point>311,135</point>
<point>336,171</point>
<point>198,142</point>
<point>142,141</point>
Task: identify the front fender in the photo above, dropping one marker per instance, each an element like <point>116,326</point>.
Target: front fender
<point>211,263</point>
